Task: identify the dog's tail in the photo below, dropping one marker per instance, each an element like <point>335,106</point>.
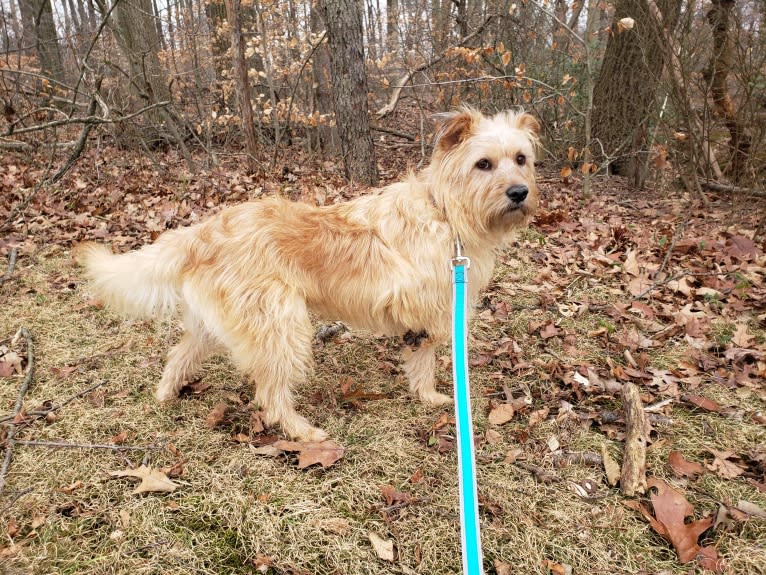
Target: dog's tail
<point>143,283</point>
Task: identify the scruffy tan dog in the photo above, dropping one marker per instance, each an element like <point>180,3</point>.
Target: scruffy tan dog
<point>246,279</point>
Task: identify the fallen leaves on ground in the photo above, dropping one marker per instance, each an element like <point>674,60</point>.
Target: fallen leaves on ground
<point>384,548</point>
<point>671,510</point>
<point>682,467</point>
<point>152,480</point>
<point>324,453</point>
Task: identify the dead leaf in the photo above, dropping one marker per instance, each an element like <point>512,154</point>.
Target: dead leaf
<point>502,568</point>
<point>682,467</point>
<point>384,548</point>
<point>741,338</point>
<point>392,496</point>
<point>538,416</point>
<point>671,510</point>
<point>325,453</point>
<point>120,438</point>
<point>256,422</point>
<point>549,331</point>
<point>723,466</point>
<point>217,416</point>
<point>631,263</point>
<point>334,525</point>
<point>611,467</point>
<point>702,403</point>
<point>152,480</point>
<point>501,414</point>
<point>10,362</point>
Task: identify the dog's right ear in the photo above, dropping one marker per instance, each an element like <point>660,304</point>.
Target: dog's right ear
<point>452,128</point>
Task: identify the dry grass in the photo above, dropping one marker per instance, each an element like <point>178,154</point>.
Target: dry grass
<point>234,509</point>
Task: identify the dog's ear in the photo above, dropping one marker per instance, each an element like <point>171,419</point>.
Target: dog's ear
<point>529,123</point>
<point>453,128</point>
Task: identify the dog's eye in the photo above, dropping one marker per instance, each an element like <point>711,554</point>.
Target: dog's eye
<point>484,164</point>
<point>521,159</point>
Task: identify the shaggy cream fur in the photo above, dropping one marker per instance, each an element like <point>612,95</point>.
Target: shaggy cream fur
<point>246,279</point>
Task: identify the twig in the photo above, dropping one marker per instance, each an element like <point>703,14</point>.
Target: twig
<point>145,547</point>
<point>679,230</point>
<point>66,444</point>
<point>675,277</point>
<point>15,498</point>
<point>10,440</point>
<point>11,265</point>
<point>46,411</point>
<point>539,474</point>
<point>579,458</point>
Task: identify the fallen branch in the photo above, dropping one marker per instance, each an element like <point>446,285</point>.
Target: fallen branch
<point>633,473</point>
<point>51,409</point>
<point>68,445</point>
<point>539,473</point>
<point>10,440</point>
<point>396,133</point>
<point>11,265</point>
<point>93,120</point>
<point>714,186</point>
<point>15,498</point>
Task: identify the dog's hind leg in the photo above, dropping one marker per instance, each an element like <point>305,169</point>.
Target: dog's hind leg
<point>185,358</point>
<point>420,368</point>
<point>272,346</point>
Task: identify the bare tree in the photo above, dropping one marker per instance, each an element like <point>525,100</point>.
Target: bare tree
<point>343,19</point>
<point>242,82</point>
<point>721,18</point>
<point>40,30</point>
<point>626,89</point>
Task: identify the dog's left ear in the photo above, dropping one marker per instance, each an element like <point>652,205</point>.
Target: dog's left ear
<point>453,128</point>
<point>529,123</point>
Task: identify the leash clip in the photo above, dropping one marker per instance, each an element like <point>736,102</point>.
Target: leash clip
<point>459,259</point>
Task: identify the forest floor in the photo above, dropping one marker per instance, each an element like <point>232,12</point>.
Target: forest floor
<point>650,287</point>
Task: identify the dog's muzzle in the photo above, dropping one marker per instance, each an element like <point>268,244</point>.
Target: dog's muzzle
<point>517,194</point>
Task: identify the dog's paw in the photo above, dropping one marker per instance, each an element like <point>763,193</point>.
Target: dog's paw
<point>435,398</point>
<point>312,435</point>
<point>164,394</point>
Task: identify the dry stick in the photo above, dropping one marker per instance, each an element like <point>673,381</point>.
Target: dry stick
<point>11,265</point>
<point>538,473</point>
<point>633,473</point>
<point>15,498</point>
<point>678,276</point>
<point>10,441</point>
<point>35,443</point>
<point>44,412</point>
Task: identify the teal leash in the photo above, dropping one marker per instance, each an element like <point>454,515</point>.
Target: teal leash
<point>469,500</point>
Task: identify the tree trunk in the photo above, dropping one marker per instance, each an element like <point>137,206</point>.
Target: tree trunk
<point>626,89</point>
<point>322,91</point>
<point>392,26</point>
<point>720,19</point>
<point>343,19</point>
<point>40,31</point>
<point>242,82</point>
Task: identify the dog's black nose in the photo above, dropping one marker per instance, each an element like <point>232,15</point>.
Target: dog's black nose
<point>517,193</point>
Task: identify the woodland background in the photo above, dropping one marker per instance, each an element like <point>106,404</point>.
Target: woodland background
<point>630,86</point>
<point>618,357</point>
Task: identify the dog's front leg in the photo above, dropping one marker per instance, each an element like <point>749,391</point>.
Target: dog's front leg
<point>420,369</point>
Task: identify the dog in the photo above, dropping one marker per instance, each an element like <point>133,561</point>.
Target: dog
<point>247,279</point>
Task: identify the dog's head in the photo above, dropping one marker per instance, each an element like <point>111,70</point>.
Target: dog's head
<point>483,171</point>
